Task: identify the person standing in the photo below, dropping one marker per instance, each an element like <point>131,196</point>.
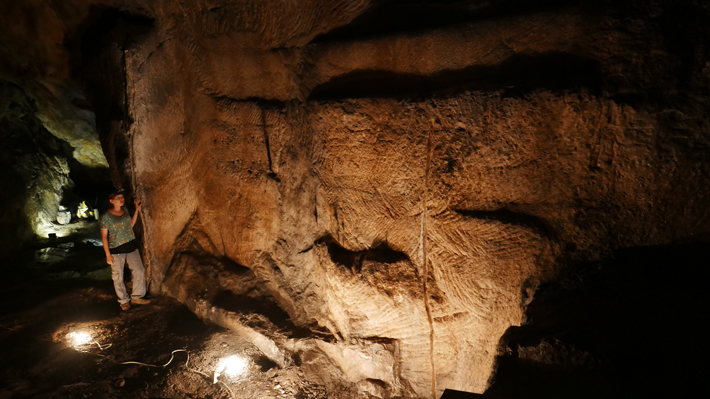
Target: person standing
<point>121,246</point>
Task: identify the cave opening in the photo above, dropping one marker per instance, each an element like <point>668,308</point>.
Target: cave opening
<point>356,199</point>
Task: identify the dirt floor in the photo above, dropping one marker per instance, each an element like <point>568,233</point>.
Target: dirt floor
<point>48,292</point>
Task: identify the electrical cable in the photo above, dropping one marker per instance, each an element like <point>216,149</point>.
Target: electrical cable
<point>172,356</point>
<point>103,347</point>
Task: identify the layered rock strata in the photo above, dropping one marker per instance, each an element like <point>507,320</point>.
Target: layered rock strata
<point>394,198</point>
<point>411,230</point>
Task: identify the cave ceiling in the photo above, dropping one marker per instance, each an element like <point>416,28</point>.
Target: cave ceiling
<point>395,176</point>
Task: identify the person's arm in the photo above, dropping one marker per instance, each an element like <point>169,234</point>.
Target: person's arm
<point>104,239</point>
<point>134,219</point>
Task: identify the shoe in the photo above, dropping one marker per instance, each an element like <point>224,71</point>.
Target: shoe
<point>140,301</point>
<point>125,306</point>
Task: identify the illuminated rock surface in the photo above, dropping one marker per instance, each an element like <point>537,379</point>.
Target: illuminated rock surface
<point>34,44</point>
<point>400,194</point>
<point>33,169</point>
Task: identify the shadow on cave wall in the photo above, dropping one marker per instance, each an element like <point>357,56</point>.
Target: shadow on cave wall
<point>354,260</point>
<point>516,77</point>
<point>629,326</point>
<point>388,17</point>
<point>685,29</point>
<point>196,274</point>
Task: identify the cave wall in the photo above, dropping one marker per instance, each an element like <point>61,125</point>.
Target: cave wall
<point>48,126</point>
<point>407,193</point>
<point>34,171</point>
<point>36,54</point>
<point>394,178</point>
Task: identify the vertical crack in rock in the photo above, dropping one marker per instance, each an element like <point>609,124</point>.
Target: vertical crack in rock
<point>132,162</point>
<point>425,263</point>
<point>315,206</point>
<point>266,142</point>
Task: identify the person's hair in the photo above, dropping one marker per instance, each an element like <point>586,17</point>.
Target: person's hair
<point>115,193</point>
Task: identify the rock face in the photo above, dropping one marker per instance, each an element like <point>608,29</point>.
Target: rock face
<point>399,194</point>
<point>33,170</point>
<point>413,229</point>
<point>34,42</point>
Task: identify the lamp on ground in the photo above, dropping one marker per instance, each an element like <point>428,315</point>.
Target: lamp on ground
<point>232,366</point>
<point>79,338</point>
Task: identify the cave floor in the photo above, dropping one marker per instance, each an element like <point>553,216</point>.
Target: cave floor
<point>48,291</point>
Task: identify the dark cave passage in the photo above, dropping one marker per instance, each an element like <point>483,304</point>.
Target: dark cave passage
<point>623,327</point>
